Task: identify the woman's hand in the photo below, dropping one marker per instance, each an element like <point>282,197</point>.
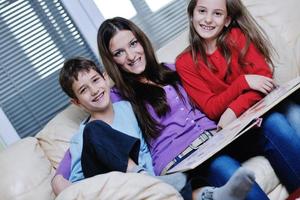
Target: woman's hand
<point>226,118</point>
<point>59,183</point>
<point>260,83</point>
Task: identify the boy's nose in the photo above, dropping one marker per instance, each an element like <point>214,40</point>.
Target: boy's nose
<point>94,91</point>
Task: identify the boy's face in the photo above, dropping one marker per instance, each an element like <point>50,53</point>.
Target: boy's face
<point>92,91</point>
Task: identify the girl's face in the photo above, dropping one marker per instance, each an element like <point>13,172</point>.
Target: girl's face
<point>127,52</point>
<point>209,19</point>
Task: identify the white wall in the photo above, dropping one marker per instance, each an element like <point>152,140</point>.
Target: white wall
<point>87,18</point>
<point>7,131</point>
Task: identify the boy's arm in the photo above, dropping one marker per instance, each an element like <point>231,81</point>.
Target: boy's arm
<point>60,180</point>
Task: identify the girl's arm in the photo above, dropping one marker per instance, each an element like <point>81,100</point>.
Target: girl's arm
<point>213,103</point>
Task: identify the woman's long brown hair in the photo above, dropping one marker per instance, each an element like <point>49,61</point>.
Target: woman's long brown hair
<point>130,87</point>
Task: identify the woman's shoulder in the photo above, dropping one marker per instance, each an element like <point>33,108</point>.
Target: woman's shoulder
<point>115,95</point>
<point>170,66</point>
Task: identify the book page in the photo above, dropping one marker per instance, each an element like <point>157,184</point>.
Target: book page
<point>247,120</point>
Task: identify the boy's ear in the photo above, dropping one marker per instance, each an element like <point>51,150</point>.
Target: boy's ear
<point>75,102</point>
<point>228,21</point>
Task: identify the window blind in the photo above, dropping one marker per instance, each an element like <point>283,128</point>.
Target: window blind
<point>35,38</point>
<point>163,25</point>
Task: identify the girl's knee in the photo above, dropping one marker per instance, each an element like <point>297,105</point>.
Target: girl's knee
<point>223,162</point>
<point>274,119</point>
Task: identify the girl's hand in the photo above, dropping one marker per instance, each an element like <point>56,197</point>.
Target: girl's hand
<point>260,83</point>
<point>226,118</point>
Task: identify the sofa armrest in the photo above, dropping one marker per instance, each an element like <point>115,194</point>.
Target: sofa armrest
<point>25,171</point>
<point>117,185</point>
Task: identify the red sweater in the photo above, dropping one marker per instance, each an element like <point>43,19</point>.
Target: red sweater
<point>209,89</point>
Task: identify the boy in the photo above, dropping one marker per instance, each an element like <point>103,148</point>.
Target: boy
<point>99,147</point>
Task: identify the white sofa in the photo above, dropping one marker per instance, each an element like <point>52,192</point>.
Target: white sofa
<point>26,168</point>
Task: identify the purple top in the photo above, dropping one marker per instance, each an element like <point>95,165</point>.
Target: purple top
<point>64,167</point>
<point>183,125</point>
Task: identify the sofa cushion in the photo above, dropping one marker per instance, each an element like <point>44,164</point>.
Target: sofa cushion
<point>120,186</point>
<point>35,174</point>
<point>280,21</point>
<point>55,136</point>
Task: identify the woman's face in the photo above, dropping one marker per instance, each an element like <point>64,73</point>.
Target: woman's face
<point>127,52</point>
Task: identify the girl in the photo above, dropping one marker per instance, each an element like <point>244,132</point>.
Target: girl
<point>225,70</point>
<point>168,120</point>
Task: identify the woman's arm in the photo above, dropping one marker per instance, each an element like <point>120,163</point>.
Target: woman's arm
<point>60,180</point>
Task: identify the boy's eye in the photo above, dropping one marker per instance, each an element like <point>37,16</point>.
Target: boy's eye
<point>96,79</point>
<point>81,91</point>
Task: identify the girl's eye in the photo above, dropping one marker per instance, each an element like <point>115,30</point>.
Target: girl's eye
<point>218,14</point>
<point>201,10</point>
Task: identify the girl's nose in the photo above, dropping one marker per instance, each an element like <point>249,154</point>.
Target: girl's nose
<point>208,18</point>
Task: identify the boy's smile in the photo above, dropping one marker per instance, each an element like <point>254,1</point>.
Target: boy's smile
<point>92,92</point>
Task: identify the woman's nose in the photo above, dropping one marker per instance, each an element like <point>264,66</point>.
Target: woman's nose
<point>130,55</point>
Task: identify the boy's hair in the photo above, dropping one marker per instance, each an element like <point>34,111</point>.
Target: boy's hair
<point>70,70</point>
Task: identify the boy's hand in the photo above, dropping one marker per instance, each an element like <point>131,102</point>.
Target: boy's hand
<point>260,83</point>
<point>227,117</point>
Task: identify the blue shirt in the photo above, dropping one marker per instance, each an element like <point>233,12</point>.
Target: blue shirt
<point>124,121</point>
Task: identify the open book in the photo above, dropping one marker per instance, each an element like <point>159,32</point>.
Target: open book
<point>228,134</point>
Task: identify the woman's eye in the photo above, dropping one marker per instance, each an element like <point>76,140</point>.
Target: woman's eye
<point>118,53</point>
<point>133,43</point>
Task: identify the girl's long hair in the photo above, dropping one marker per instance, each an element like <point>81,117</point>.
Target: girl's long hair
<point>129,85</point>
<point>240,18</point>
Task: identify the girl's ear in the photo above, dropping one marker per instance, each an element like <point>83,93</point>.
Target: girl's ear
<point>227,21</point>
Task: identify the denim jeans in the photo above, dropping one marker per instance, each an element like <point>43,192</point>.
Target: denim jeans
<point>292,112</point>
<point>277,141</point>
